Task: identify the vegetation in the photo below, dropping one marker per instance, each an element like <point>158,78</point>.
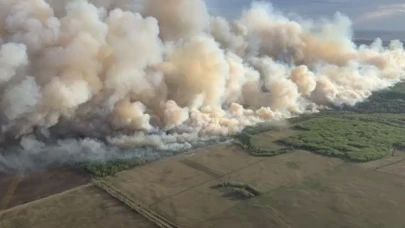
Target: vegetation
<point>368,131</point>
<point>240,189</point>
<point>103,169</point>
<point>258,128</point>
<point>353,137</point>
<point>244,140</point>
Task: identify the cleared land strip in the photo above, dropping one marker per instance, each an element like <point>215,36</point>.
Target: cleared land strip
<point>150,215</point>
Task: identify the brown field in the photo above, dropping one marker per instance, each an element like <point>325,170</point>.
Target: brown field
<point>397,168</point>
<point>179,188</point>
<point>340,199</point>
<point>367,199</point>
<point>301,189</point>
<point>20,189</point>
<point>264,140</point>
<point>387,161</point>
<point>83,207</point>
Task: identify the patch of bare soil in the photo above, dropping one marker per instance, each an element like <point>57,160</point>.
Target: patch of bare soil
<point>83,207</point>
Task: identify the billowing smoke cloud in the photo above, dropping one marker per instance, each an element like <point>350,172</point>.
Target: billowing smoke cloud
<point>164,73</point>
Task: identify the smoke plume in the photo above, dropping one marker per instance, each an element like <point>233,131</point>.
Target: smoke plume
<point>164,73</point>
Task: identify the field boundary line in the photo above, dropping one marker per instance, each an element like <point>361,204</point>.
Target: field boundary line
<point>207,181</point>
<point>45,198</point>
<point>390,164</point>
<point>152,216</point>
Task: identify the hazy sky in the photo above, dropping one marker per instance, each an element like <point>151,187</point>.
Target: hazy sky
<point>365,14</point>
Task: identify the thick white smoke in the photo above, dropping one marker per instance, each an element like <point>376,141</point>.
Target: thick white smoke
<point>164,72</point>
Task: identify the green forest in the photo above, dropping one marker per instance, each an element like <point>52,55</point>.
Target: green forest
<point>368,131</point>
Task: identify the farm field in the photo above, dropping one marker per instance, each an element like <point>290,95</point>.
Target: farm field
<point>82,207</point>
<point>180,190</point>
<point>298,187</point>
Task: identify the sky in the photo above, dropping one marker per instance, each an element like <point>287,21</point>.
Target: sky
<point>387,15</point>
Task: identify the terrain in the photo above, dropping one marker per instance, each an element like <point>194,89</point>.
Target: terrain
<point>343,167</point>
